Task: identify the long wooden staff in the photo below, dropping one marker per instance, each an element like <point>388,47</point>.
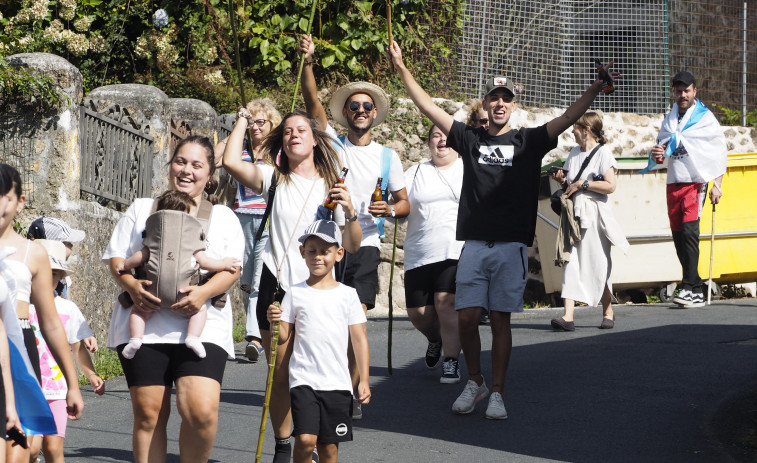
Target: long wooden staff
<point>389,27</point>
<point>391,305</point>
<point>232,20</point>
<point>269,385</point>
<point>302,58</point>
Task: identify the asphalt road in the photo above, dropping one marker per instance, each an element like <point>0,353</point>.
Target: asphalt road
<point>645,391</point>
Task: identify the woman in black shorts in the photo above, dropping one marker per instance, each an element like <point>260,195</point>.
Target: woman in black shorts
<point>432,252</point>
<point>164,359</point>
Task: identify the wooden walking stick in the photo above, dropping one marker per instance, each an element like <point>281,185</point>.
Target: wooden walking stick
<point>391,305</point>
<point>302,58</point>
<point>269,384</point>
<point>233,22</point>
<point>712,246</point>
<point>389,28</point>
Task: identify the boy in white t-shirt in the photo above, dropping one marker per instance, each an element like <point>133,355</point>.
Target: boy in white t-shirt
<point>320,316</point>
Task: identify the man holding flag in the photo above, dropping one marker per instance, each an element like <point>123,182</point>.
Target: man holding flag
<point>693,142</point>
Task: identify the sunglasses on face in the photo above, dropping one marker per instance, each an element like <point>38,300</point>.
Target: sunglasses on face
<point>483,121</point>
<point>355,106</point>
<point>260,122</point>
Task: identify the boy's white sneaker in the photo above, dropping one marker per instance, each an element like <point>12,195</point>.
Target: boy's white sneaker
<point>470,396</point>
<point>496,409</point>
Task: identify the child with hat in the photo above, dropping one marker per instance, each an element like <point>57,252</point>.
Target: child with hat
<point>77,331</point>
<point>53,228</point>
<point>320,316</point>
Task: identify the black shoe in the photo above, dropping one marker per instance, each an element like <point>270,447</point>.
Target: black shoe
<point>561,325</point>
<point>283,452</point>
<point>433,354</point>
<point>607,323</point>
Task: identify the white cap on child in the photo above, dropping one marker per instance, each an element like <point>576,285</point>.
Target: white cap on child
<point>326,230</point>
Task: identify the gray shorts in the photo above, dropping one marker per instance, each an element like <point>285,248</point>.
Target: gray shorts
<point>492,275</point>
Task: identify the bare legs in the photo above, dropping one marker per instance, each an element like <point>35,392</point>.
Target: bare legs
<point>606,301</point>
<point>439,320</point>
<point>502,343</point>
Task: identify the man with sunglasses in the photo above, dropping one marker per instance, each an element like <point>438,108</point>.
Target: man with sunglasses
<point>360,106</point>
<point>497,219</point>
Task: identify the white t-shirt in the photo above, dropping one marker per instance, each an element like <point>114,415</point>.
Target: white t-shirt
<point>225,239</point>
<point>321,319</point>
<point>53,383</point>
<point>364,164</point>
<point>434,196</point>
<point>295,206</point>
<point>600,163</point>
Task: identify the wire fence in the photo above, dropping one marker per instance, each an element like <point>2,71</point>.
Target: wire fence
<point>549,47</point>
<point>17,148</point>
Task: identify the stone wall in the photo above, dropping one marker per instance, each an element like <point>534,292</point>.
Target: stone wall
<point>148,109</point>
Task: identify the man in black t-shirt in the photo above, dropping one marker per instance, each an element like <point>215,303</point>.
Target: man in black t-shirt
<point>496,219</point>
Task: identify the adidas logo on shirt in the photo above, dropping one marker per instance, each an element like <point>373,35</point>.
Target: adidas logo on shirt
<point>496,155</point>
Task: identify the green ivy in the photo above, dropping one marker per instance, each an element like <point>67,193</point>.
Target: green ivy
<point>733,116</point>
<point>24,88</point>
<point>112,41</point>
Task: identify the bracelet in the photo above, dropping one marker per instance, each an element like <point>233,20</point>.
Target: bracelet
<point>717,185</point>
<point>307,63</point>
<point>351,219</point>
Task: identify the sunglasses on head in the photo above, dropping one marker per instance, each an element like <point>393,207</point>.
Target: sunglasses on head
<point>354,106</point>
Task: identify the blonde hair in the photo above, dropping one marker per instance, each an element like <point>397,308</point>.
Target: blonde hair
<point>265,105</point>
<point>325,157</point>
<point>473,114</point>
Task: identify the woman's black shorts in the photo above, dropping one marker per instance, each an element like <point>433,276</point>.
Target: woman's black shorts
<point>163,364</point>
<point>422,282</point>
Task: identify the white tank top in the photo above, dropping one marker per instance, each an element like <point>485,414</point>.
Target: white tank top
<point>22,275</point>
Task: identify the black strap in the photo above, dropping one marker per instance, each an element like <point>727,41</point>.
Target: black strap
<point>586,161</point>
<point>268,206</point>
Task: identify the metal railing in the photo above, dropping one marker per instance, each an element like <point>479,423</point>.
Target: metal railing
<point>116,160</point>
<point>17,139</point>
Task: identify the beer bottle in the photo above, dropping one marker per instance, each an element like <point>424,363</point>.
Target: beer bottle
<point>377,196</point>
<point>329,203</point>
<point>608,86</point>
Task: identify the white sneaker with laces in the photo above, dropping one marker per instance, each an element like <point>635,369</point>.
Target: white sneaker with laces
<point>695,300</point>
<point>496,409</point>
<point>470,396</point>
<point>683,297</point>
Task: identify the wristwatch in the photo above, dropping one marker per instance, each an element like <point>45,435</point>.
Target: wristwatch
<point>351,219</point>
<point>393,213</point>
<point>585,185</point>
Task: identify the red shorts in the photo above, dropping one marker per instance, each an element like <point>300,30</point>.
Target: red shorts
<point>685,201</point>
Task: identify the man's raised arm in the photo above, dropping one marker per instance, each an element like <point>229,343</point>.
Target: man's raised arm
<point>422,100</point>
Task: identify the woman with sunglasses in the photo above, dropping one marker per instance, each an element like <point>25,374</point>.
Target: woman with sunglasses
<point>307,167</point>
<point>249,207</point>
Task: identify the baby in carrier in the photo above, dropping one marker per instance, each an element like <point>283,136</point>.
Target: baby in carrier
<point>171,238</point>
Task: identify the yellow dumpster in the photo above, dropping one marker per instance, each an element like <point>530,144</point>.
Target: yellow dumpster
<point>639,205</point>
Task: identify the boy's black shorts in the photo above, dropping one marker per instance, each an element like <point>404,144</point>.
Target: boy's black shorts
<point>326,414</point>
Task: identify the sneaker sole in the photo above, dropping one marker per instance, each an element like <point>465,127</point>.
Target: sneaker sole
<point>444,380</point>
<point>490,417</point>
<point>252,353</point>
<point>693,305</point>
<point>478,399</point>
<point>680,301</point>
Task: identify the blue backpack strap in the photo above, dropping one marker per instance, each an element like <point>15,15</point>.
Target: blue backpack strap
<point>386,164</point>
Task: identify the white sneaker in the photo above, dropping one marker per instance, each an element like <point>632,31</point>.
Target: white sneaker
<point>496,409</point>
<point>683,297</point>
<point>470,396</point>
<point>695,300</point>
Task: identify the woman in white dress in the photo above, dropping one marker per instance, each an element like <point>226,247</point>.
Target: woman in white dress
<point>586,277</point>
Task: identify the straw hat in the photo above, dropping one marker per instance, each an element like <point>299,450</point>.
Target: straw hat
<point>379,96</point>
<point>56,251</point>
